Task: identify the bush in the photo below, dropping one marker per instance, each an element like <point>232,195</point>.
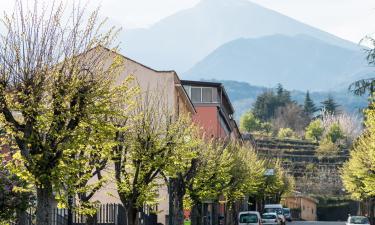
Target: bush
<point>335,133</point>
<point>314,131</point>
<point>249,123</point>
<point>327,148</point>
<point>286,133</point>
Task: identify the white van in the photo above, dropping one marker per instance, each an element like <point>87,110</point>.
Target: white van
<point>249,218</point>
<point>276,208</point>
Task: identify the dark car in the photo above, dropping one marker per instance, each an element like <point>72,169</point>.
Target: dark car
<point>287,214</point>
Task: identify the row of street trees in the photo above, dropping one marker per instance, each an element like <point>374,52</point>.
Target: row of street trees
<point>65,124</point>
<point>358,174</point>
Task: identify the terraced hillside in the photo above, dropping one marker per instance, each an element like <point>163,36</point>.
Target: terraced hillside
<point>313,174</point>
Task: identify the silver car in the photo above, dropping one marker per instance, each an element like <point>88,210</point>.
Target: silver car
<point>270,219</point>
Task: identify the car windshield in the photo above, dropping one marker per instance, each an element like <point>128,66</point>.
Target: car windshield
<point>248,218</point>
<point>268,216</point>
<point>274,210</point>
<point>287,211</point>
<point>359,220</point>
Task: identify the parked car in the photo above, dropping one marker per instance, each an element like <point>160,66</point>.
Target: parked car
<point>270,219</point>
<point>287,214</point>
<point>358,220</point>
<point>249,218</point>
<point>276,208</point>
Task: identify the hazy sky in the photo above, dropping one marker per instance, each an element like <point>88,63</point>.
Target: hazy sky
<point>349,19</point>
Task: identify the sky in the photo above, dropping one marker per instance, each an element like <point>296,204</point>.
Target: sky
<point>348,19</point>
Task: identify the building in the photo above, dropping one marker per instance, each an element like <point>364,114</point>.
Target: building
<point>214,109</point>
<point>167,86</point>
<point>302,207</point>
<point>215,117</point>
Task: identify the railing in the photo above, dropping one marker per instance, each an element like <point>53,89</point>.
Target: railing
<point>106,214</point>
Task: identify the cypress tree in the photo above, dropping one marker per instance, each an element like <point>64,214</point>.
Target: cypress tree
<point>330,105</point>
<point>309,107</point>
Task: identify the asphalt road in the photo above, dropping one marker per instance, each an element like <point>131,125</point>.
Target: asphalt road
<point>315,223</point>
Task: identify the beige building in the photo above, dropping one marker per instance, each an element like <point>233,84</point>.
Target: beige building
<point>167,85</point>
<point>306,206</point>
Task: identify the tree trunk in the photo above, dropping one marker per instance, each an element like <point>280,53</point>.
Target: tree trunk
<point>43,206</point>
<point>131,215</point>
<point>196,216</point>
<point>91,220</point>
<point>372,209</point>
<point>176,193</point>
<point>22,217</point>
<point>70,210</point>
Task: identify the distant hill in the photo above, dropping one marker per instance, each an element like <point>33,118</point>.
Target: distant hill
<point>243,95</point>
<point>183,39</point>
<point>299,62</point>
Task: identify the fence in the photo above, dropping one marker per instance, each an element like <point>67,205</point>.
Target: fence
<point>107,214</point>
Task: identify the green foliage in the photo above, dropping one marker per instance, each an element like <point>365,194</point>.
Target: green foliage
<point>309,107</point>
<point>335,133</point>
<point>230,169</point>
<point>56,100</point>
<point>278,184</point>
<point>286,133</point>
<point>315,130</point>
<point>327,148</point>
<point>154,142</point>
<point>358,173</point>
<point>267,103</point>
<point>15,193</point>
<point>330,106</point>
<point>249,123</point>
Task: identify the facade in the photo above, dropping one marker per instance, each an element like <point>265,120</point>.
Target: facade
<point>214,109</point>
<point>215,118</point>
<point>167,86</point>
<point>306,206</point>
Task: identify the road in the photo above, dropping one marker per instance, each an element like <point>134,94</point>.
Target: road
<point>315,223</point>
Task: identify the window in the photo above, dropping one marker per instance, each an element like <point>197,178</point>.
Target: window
<point>206,94</point>
<point>196,94</point>
<point>202,94</point>
<point>248,218</point>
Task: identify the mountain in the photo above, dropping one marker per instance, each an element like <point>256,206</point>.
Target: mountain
<point>299,62</point>
<point>243,95</point>
<point>181,40</point>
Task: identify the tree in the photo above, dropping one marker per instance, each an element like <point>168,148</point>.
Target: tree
<point>283,95</point>
<point>267,103</point>
<point>330,106</point>
<point>226,170</point>
<point>309,107</point>
<point>82,169</point>
<point>290,116</point>
<point>53,88</point>
<point>335,133</point>
<point>154,142</point>
<point>315,130</point>
<point>249,123</point>
<point>367,85</point>
<point>350,125</point>
<point>358,173</point>
<point>15,193</point>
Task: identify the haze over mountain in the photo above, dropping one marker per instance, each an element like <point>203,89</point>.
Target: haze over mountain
<point>243,96</point>
<point>300,62</point>
<point>181,40</point>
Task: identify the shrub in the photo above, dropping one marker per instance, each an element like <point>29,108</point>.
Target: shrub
<point>314,131</point>
<point>286,133</point>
